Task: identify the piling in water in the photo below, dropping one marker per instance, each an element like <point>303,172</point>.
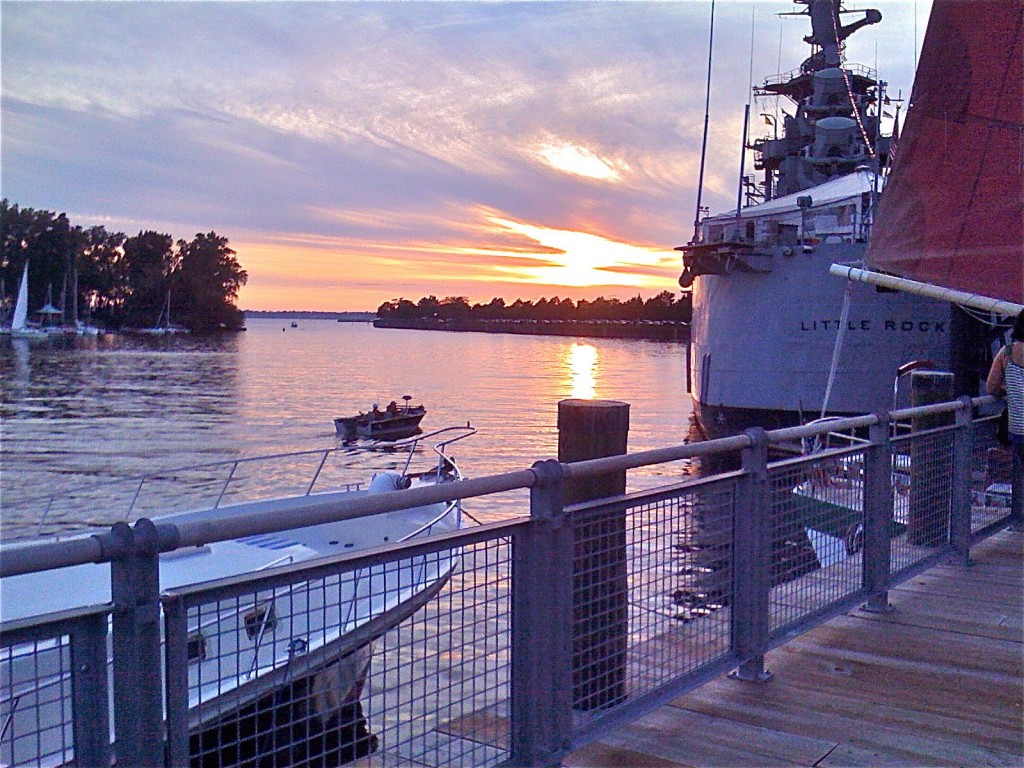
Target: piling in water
<point>591,429</point>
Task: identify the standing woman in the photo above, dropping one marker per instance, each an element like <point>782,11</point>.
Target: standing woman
<point>1006,377</point>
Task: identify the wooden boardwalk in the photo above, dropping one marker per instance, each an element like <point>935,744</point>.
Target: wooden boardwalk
<point>938,682</point>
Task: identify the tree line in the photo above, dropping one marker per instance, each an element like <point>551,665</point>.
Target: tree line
<point>118,281</point>
<point>664,306</point>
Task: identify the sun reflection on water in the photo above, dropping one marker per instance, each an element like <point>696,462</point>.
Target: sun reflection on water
<point>582,362</point>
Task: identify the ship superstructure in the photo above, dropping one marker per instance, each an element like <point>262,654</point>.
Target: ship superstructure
<point>766,312</point>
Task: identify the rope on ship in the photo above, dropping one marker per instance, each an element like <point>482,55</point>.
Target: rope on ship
<point>849,88</point>
<point>843,318</point>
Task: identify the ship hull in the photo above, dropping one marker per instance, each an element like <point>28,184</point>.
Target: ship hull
<point>762,342</point>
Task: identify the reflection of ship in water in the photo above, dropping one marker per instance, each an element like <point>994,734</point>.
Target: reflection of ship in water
<point>703,549</point>
<point>766,312</point>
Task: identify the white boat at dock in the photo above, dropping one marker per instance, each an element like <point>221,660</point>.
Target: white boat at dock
<point>49,324</point>
<point>246,653</point>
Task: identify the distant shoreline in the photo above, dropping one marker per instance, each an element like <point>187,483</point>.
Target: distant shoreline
<point>657,330</point>
<point>341,317</point>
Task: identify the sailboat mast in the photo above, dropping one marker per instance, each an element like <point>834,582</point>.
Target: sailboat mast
<point>74,291</point>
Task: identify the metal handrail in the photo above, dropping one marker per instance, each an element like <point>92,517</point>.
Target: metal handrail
<point>39,556</point>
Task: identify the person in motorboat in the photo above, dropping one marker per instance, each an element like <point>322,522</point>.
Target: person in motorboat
<point>1006,379</point>
<point>375,413</point>
<point>392,408</point>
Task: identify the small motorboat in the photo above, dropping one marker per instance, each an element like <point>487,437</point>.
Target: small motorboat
<point>393,423</point>
<point>244,657</point>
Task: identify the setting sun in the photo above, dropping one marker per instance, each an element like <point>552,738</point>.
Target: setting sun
<point>577,259</point>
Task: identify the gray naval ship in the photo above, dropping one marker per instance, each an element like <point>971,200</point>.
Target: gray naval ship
<point>766,312</point>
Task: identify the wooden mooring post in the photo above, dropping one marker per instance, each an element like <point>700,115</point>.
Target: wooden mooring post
<point>930,491</point>
<point>591,429</point>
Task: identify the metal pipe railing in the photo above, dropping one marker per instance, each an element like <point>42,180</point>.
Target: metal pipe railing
<point>96,548</point>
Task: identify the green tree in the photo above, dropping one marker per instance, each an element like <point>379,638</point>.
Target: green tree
<point>206,282</point>
<point>43,239</point>
<point>493,310</point>
<point>454,308</point>
<point>398,308</point>
<point>148,263</point>
<point>102,274</point>
<point>429,306</point>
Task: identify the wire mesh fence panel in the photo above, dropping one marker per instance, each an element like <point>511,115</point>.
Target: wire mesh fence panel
<point>816,524</point>
<point>402,660</point>
<point>600,607</point>
<point>54,690</point>
<point>680,584</point>
<point>925,502</point>
<point>437,688</point>
<point>991,475</point>
<point>651,593</point>
<point>35,703</point>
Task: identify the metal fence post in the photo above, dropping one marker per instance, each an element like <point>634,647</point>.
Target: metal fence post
<point>963,460</point>
<point>878,516</point>
<point>751,566</point>
<point>176,680</point>
<point>135,589</point>
<point>542,626</point>
<point>89,692</point>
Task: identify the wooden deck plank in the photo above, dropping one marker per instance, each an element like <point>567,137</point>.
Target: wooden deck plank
<point>612,756</point>
<point>938,682</point>
<point>997,621</point>
<point>690,738</point>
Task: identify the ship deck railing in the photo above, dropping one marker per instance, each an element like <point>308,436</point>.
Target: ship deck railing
<point>858,70</point>
<point>560,625</point>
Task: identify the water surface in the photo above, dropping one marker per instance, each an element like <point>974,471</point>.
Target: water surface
<point>93,410</point>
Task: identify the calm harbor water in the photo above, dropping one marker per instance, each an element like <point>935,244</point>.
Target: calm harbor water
<point>80,411</point>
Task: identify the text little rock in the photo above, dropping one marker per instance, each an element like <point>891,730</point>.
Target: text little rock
<point>899,326</point>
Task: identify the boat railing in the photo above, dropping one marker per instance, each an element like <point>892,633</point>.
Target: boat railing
<point>446,464</point>
<point>823,440</point>
<point>293,473</point>
<point>446,468</point>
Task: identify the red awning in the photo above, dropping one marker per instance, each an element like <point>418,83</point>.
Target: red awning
<point>953,209</point>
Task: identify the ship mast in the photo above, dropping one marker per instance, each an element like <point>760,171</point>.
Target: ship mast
<point>704,142</point>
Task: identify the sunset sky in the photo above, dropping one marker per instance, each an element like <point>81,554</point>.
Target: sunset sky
<point>354,153</point>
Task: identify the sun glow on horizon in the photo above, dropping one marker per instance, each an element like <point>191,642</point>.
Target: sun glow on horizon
<point>579,259</point>
<point>480,253</point>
